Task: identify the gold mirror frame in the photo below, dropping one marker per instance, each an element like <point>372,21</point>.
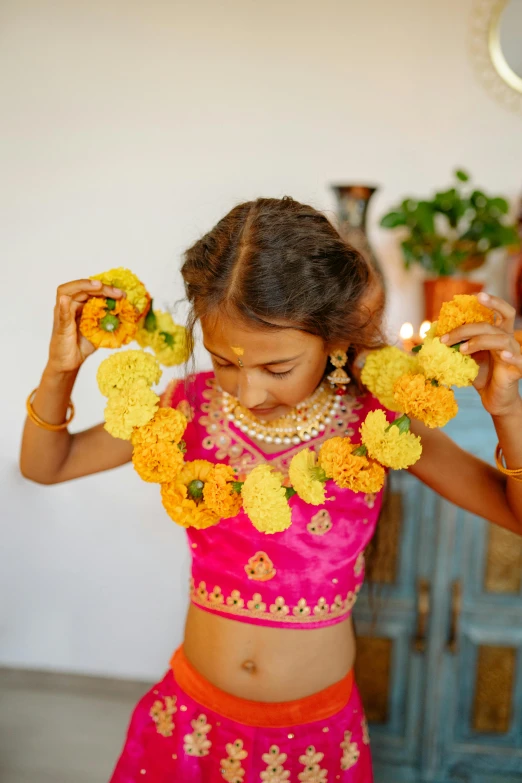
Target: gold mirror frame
<point>490,64</point>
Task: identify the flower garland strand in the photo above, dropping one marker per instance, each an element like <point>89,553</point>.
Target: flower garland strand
<point>199,493</point>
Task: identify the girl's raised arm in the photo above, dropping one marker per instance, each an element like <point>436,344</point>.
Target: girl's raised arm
<point>49,456</point>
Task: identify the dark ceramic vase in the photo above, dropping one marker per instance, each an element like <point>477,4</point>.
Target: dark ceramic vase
<point>352,210</point>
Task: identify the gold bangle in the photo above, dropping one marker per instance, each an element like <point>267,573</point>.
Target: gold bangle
<point>515,473</point>
<point>44,424</point>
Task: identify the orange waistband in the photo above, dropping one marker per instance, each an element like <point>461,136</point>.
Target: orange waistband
<point>319,706</point>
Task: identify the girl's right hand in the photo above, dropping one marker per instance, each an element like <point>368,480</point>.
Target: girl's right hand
<point>69,348</point>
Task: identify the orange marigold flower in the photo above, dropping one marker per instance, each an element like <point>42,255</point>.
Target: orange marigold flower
<point>157,456</point>
<point>424,400</point>
<point>183,498</point>
<point>348,470</point>
<point>168,425</point>
<point>462,309</point>
<point>370,477</point>
<point>108,323</point>
<point>158,462</point>
<point>219,494</point>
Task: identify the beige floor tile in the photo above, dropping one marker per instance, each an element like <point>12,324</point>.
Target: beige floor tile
<point>62,728</point>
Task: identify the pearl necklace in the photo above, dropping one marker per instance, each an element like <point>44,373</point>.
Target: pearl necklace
<point>299,425</point>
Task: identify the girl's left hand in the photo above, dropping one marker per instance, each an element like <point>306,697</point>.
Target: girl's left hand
<point>497,354</point>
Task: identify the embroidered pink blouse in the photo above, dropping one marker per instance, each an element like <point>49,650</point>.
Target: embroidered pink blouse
<point>305,577</point>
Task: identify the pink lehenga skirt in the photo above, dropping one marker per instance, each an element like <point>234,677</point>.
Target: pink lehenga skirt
<point>185,729</point>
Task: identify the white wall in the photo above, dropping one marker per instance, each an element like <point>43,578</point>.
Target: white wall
<point>129,129</point>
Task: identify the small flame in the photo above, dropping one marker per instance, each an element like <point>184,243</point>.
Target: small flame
<point>406,331</point>
<point>424,328</point>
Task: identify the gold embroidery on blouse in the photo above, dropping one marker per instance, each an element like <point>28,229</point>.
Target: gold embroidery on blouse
<point>320,523</point>
<point>197,743</point>
<point>359,564</point>
<point>216,597</point>
<point>312,772</point>
<point>301,610</point>
<point>350,750</point>
<point>275,771</point>
<point>279,607</point>
<point>365,732</point>
<point>278,611</point>
<point>234,599</point>
<point>370,499</point>
<point>241,453</point>
<point>183,406</point>
<point>231,768</point>
<point>161,713</point>
<point>260,568</point>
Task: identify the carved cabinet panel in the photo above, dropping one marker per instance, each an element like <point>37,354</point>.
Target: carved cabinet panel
<point>439,629</point>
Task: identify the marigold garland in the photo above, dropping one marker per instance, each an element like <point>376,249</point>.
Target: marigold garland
<point>390,444</point>
<point>307,478</point>
<point>124,368</point>
<point>183,498</point>
<point>462,309</point>
<point>449,367</point>
<point>108,323</point>
<point>168,340</point>
<point>425,400</point>
<point>131,407</point>
<point>128,282</point>
<point>157,456</point>
<point>350,470</point>
<point>381,370</point>
<point>199,494</point>
<point>264,500</point>
<point>219,492</point>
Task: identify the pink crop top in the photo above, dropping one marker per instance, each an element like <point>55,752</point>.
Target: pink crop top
<point>305,577</point>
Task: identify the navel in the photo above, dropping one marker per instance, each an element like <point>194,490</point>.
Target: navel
<point>249,666</point>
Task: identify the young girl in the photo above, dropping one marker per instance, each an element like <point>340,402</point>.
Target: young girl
<point>263,689</point>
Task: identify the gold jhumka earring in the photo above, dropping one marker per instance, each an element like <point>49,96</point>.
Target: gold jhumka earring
<point>339,378</point>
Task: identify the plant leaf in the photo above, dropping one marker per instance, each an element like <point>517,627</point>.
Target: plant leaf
<point>393,219</point>
<point>460,174</point>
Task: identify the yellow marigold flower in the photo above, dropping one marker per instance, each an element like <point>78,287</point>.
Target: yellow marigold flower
<point>447,366</point>
<point>389,445</point>
<point>156,456</point>
<point>420,398</point>
<point>462,309</point>
<point>264,500</point>
<point>167,339</point>
<point>108,323</point>
<point>127,281</point>
<point>219,494</point>
<point>131,407</point>
<point>123,369</point>
<point>306,479</point>
<point>349,470</point>
<point>183,498</point>
<point>382,368</point>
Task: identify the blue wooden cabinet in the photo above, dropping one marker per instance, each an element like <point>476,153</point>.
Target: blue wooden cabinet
<point>440,633</point>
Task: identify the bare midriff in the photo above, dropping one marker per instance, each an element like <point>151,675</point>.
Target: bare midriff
<point>267,664</point>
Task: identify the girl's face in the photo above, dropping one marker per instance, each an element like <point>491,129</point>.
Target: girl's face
<point>269,372</point>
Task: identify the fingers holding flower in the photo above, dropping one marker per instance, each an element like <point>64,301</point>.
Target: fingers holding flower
<point>493,345</point>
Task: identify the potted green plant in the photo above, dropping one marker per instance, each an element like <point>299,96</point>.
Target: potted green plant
<point>450,235</point>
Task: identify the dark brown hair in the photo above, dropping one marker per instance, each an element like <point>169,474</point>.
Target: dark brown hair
<point>274,261</point>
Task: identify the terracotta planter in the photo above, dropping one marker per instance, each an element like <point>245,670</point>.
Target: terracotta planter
<point>442,289</point>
